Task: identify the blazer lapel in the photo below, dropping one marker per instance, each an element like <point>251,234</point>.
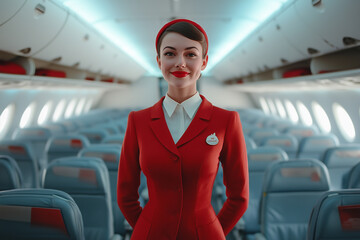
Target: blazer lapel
<point>160,129</point>
<point>199,122</point>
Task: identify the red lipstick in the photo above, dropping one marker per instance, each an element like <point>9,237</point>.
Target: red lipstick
<point>180,74</point>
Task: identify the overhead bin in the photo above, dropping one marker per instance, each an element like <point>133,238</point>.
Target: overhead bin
<point>9,8</point>
<point>308,41</point>
<point>32,27</point>
<point>337,22</point>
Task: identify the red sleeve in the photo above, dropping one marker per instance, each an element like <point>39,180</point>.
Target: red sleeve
<point>233,158</point>
<point>129,175</point>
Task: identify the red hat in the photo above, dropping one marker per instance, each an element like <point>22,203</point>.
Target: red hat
<point>182,20</point>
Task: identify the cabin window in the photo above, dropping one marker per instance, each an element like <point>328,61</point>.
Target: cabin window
<point>70,108</point>
<point>304,114</point>
<point>294,117</point>
<point>80,107</point>
<point>272,106</point>
<point>280,108</point>
<point>344,122</point>
<point>45,113</point>
<point>88,105</point>
<point>264,105</point>
<point>321,117</point>
<point>59,110</point>
<point>27,116</point>
<point>6,119</point>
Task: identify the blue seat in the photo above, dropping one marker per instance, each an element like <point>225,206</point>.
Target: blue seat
<point>301,131</point>
<point>290,191</point>
<point>10,173</point>
<point>39,214</point>
<point>24,156</point>
<point>336,216</point>
<point>250,143</point>
<point>339,161</point>
<point>354,177</point>
<point>259,134</point>
<point>315,146</point>
<point>86,179</point>
<point>286,142</point>
<point>65,146</point>
<point>258,160</point>
<point>110,156</point>
<point>37,137</point>
<point>115,139</point>
<point>95,135</point>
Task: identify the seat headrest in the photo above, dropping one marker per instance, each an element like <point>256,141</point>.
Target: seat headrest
<point>21,151</point>
<point>109,154</point>
<point>318,142</point>
<point>32,133</point>
<point>117,139</point>
<point>39,213</point>
<point>67,143</point>
<point>301,131</point>
<point>342,156</point>
<point>10,174</point>
<point>260,157</point>
<point>85,175</point>
<point>285,141</point>
<point>296,176</point>
<point>94,134</point>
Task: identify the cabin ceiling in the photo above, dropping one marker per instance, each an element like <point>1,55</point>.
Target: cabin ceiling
<point>133,25</point>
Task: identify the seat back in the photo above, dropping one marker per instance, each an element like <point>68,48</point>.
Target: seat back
<point>110,156</point>
<point>301,131</point>
<point>339,161</point>
<point>86,179</point>
<point>114,139</point>
<point>290,191</point>
<point>336,216</point>
<point>315,146</point>
<point>23,154</point>
<point>95,135</point>
<point>258,160</point>
<point>354,177</point>
<point>39,214</point>
<point>259,134</point>
<point>10,174</point>
<point>250,143</point>
<point>286,142</point>
<point>37,137</point>
<point>65,146</point>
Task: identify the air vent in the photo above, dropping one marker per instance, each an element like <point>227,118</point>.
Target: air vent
<point>316,2</point>
<point>25,50</point>
<point>312,51</point>
<point>350,41</point>
<point>39,10</point>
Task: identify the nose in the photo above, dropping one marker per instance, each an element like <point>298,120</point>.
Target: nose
<point>180,63</point>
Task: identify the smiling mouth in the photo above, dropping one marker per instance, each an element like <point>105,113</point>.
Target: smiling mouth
<point>180,74</point>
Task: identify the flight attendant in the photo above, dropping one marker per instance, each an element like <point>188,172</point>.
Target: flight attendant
<point>178,144</point>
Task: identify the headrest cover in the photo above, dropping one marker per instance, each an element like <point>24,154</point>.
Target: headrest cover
<point>296,176</point>
<point>339,157</point>
<point>182,20</point>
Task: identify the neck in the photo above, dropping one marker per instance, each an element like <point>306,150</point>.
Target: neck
<point>180,95</point>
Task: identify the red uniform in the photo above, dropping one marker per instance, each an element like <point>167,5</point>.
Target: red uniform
<point>180,176</point>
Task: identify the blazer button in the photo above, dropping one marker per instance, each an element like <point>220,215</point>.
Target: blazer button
<point>174,158</point>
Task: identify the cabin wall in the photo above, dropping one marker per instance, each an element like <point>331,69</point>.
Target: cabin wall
<point>141,94</point>
<point>222,96</point>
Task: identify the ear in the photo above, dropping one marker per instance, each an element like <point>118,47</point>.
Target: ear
<point>204,64</point>
<point>158,61</point>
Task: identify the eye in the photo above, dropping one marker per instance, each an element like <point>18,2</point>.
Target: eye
<point>169,54</point>
<point>191,55</point>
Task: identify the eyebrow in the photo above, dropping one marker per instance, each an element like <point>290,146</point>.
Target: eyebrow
<point>175,48</point>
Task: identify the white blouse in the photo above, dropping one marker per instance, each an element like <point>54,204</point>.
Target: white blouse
<point>178,116</point>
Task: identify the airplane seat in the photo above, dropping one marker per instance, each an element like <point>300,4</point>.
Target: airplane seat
<point>56,128</point>
<point>95,135</point>
<point>10,173</point>
<point>259,160</point>
<point>290,191</point>
<point>336,216</point>
<point>250,143</point>
<point>37,137</point>
<point>339,161</point>
<point>259,134</point>
<point>301,131</point>
<point>39,214</point>
<point>286,142</point>
<point>86,179</point>
<point>354,177</point>
<point>315,146</point>
<point>110,128</point>
<point>24,156</point>
<point>65,146</point>
<point>114,139</point>
<point>111,157</point>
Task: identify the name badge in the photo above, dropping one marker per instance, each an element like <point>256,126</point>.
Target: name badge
<point>212,140</point>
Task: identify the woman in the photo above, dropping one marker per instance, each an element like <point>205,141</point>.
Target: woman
<point>178,144</point>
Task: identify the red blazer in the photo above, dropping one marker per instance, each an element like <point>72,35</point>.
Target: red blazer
<point>180,176</point>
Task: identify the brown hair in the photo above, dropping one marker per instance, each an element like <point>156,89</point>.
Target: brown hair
<point>187,30</point>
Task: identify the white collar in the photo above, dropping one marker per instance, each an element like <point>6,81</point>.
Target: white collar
<point>190,105</point>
